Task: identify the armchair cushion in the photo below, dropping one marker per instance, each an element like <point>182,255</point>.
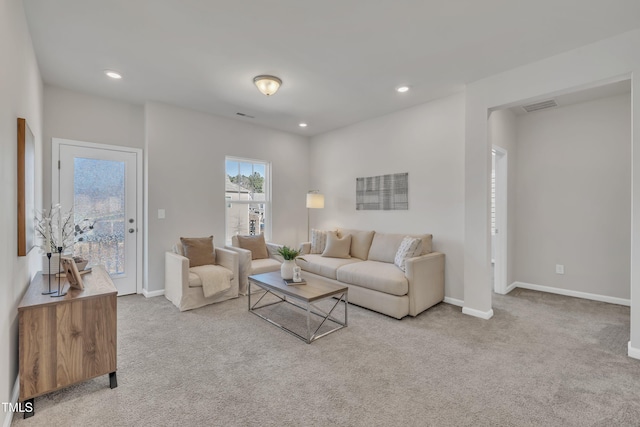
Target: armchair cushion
<point>199,250</point>
<point>255,244</point>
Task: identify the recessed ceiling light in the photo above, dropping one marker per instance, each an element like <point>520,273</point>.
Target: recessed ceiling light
<point>402,89</point>
<point>303,125</point>
<point>113,74</point>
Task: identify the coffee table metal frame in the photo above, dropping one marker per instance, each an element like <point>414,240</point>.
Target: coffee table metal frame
<point>271,283</point>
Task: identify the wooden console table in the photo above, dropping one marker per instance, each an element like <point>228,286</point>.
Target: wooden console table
<point>66,340</point>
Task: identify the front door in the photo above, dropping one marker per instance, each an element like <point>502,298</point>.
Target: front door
<point>100,184</point>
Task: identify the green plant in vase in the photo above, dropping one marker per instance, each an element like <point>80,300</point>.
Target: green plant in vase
<point>289,255</point>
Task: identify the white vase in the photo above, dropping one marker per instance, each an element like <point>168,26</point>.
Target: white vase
<point>286,269</point>
<point>54,264</point>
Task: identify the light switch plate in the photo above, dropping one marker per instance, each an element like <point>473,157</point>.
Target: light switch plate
<point>559,269</point>
<point>161,214</point>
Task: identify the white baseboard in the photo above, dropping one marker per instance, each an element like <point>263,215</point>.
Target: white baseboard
<point>486,315</point>
<point>454,301</point>
<point>14,399</point>
<point>633,352</point>
<point>151,294</point>
<point>576,294</point>
<point>511,287</point>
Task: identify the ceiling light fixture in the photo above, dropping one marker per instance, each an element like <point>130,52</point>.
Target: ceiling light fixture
<point>267,84</point>
<point>303,125</point>
<point>113,74</point>
<point>402,89</point>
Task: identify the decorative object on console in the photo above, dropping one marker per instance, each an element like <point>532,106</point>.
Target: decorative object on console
<point>383,192</point>
<point>71,271</point>
<point>315,200</point>
<point>26,188</point>
<point>268,85</point>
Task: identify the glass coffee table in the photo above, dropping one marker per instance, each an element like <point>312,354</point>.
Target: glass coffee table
<point>304,297</point>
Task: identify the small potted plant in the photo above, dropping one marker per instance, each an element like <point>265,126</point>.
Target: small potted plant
<point>289,255</point>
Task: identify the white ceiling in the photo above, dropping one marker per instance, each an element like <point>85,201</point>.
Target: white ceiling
<point>339,60</point>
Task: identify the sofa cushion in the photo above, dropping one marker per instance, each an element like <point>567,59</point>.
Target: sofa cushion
<point>318,241</point>
<point>322,266</point>
<point>409,248</point>
<point>199,250</point>
<point>255,244</point>
<point>374,275</point>
<point>360,242</point>
<point>385,246</point>
<point>337,247</point>
<point>259,266</point>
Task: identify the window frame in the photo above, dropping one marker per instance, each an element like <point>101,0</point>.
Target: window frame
<point>266,191</point>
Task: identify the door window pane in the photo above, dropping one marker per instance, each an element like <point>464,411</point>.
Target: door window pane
<point>99,201</point>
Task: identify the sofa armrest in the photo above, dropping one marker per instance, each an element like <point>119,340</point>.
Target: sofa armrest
<point>272,248</point>
<point>244,267</point>
<point>176,276</point>
<point>425,274</point>
<point>305,248</point>
<point>228,259</point>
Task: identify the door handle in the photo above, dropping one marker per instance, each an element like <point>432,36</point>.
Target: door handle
<point>131,230</point>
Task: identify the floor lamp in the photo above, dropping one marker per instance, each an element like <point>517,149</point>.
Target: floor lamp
<point>315,200</point>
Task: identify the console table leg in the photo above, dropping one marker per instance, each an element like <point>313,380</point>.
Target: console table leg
<point>113,380</point>
<point>30,408</point>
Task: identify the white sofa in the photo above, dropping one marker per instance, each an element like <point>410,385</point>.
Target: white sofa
<point>184,288</point>
<point>374,281</point>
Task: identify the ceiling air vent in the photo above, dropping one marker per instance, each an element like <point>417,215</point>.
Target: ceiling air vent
<point>540,105</point>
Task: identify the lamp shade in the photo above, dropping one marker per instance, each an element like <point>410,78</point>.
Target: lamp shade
<point>268,85</point>
<point>315,201</point>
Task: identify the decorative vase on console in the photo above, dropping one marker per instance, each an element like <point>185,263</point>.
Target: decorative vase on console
<point>289,255</point>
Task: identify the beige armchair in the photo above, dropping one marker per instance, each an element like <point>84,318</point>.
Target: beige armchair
<point>184,288</point>
<point>248,266</point>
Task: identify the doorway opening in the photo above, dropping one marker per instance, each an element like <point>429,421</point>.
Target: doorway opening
<point>102,186</point>
<point>499,253</point>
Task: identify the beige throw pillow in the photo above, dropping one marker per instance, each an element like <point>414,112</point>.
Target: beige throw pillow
<point>337,247</point>
<point>199,250</point>
<point>255,244</point>
<point>360,242</point>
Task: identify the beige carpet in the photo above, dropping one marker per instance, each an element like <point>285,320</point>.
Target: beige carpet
<point>543,360</point>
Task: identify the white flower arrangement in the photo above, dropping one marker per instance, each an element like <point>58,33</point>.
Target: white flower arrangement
<point>55,229</point>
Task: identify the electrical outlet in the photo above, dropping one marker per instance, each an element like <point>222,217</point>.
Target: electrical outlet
<point>559,269</point>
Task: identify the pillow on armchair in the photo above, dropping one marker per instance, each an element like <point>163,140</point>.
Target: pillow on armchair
<point>255,244</point>
<point>199,250</point>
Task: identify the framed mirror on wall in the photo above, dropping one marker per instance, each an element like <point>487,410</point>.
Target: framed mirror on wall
<point>26,188</point>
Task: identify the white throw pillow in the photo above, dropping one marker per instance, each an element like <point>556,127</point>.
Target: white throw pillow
<point>409,248</point>
<point>318,241</point>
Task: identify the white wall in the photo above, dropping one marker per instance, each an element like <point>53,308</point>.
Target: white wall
<point>83,117</point>
<point>574,197</point>
<point>426,141</point>
<point>20,96</point>
<point>602,62</point>
<point>185,155</point>
<point>502,133</point>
